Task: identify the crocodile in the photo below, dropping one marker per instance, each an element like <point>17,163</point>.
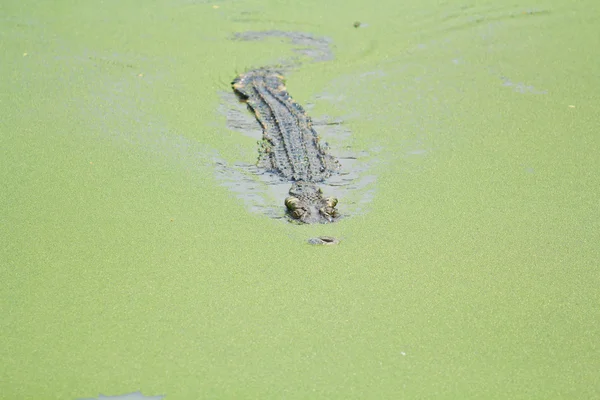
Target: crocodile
<point>290,147</point>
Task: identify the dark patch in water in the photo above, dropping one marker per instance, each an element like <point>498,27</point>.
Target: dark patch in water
<point>314,47</point>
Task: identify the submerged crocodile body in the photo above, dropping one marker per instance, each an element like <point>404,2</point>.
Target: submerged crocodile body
<point>290,146</point>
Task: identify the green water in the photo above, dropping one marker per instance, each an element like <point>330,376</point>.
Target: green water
<point>126,266</point>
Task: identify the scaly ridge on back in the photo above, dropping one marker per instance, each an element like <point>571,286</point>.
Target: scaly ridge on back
<point>290,145</point>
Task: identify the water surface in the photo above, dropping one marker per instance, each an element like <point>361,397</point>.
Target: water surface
<point>127,266</point>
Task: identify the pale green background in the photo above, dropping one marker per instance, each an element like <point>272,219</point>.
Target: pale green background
<point>126,266</point>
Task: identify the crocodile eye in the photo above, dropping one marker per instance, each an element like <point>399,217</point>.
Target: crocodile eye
<point>298,213</point>
<point>331,201</point>
<point>291,203</point>
<point>330,211</point>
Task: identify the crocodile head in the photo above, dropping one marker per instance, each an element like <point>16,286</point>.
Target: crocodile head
<point>307,204</point>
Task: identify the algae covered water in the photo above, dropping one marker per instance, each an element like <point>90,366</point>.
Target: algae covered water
<point>468,265</point>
